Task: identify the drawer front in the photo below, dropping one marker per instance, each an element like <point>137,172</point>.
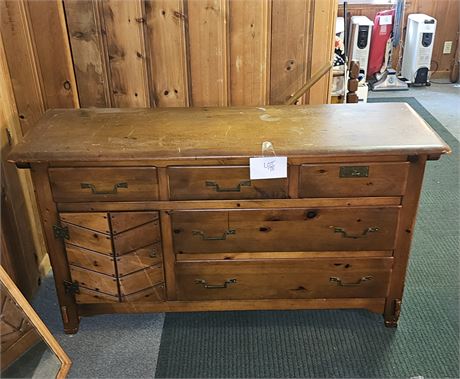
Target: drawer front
<point>104,184</point>
<point>353,180</point>
<point>226,182</point>
<point>278,279</point>
<point>324,229</point>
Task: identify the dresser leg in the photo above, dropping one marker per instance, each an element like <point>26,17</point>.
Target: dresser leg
<point>392,317</point>
<point>70,319</point>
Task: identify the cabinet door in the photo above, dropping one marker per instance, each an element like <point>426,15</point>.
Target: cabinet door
<point>137,249</point>
<point>114,256</point>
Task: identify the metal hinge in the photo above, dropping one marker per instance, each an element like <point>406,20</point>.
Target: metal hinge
<point>71,287</point>
<point>61,232</point>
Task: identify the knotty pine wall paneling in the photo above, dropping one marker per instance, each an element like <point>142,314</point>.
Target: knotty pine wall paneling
<point>198,52</point>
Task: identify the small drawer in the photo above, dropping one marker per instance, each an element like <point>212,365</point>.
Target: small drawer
<point>353,180</point>
<point>281,279</point>
<point>313,229</point>
<point>104,184</point>
<point>222,182</point>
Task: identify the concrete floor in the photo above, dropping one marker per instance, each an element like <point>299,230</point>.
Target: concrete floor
<point>441,100</point>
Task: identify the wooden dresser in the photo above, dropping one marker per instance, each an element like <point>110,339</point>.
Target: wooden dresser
<point>153,210</point>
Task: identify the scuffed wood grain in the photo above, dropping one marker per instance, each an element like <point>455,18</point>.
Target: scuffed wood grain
<point>181,133</point>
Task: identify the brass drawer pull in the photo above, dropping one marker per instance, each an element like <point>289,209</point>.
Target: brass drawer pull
<point>244,183</point>
<point>112,192</point>
<point>218,238</point>
<point>371,229</point>
<point>339,282</point>
<point>214,286</point>
<point>354,172</point>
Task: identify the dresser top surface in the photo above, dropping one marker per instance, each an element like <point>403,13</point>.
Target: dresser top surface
<point>175,133</point>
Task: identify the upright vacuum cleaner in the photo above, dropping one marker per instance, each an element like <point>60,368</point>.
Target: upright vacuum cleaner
<point>386,36</point>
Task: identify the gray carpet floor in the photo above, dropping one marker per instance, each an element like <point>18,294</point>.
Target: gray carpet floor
<point>326,344</point>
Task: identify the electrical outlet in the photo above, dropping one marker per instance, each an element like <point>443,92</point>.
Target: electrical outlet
<point>447,47</point>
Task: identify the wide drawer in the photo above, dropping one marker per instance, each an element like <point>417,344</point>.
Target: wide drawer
<point>222,182</point>
<point>322,229</point>
<point>280,279</point>
<point>104,184</point>
<point>351,180</point>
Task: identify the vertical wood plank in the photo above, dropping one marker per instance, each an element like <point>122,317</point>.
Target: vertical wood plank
<point>166,44</point>
<point>124,29</point>
<point>22,62</point>
<point>323,17</point>
<point>84,27</point>
<point>207,36</point>
<point>289,64</point>
<point>47,22</point>
<point>17,215</point>
<point>249,51</point>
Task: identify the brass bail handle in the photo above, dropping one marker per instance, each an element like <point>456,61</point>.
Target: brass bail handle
<point>214,238</point>
<point>218,188</point>
<point>205,284</point>
<point>113,191</point>
<point>340,283</point>
<point>371,229</point>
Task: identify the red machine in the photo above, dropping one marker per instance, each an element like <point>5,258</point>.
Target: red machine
<point>381,31</point>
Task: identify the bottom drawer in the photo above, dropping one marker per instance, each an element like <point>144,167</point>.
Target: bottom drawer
<point>282,279</point>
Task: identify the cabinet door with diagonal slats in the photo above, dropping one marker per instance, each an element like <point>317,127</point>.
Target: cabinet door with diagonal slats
<point>114,256</point>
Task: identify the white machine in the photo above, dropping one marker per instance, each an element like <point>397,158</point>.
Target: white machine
<point>418,48</point>
<point>359,43</point>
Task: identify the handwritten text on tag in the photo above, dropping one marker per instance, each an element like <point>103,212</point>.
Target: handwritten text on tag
<point>268,167</point>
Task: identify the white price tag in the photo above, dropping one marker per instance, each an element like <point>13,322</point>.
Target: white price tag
<point>385,20</point>
<point>268,167</point>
